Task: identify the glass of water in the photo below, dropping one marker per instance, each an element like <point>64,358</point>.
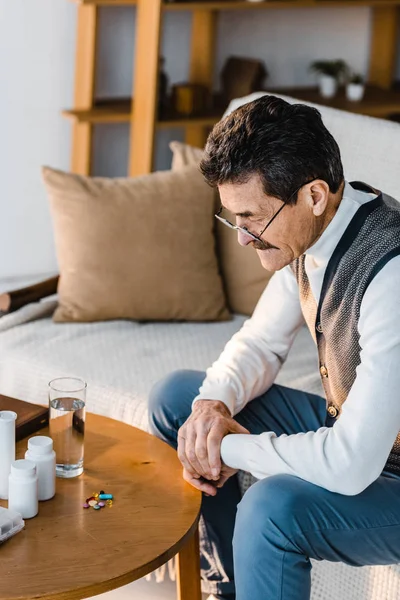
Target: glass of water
<point>67,400</point>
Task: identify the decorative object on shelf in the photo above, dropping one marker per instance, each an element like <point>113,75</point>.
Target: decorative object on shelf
<point>355,87</point>
<point>162,89</point>
<point>330,72</point>
<point>241,76</point>
<point>190,99</point>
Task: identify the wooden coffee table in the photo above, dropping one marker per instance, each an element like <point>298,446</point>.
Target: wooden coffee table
<point>69,553</point>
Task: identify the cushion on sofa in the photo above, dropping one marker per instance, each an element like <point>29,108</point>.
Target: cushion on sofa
<point>184,155</point>
<point>243,275</point>
<point>139,248</point>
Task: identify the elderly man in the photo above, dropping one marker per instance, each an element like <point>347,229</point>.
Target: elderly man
<point>328,469</point>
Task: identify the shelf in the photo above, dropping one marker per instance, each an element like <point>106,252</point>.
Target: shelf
<point>119,111</point>
<point>377,102</point>
<point>243,5</point>
<point>172,119</point>
<point>207,121</point>
<point>107,2</point>
<point>107,111</point>
<point>274,4</point>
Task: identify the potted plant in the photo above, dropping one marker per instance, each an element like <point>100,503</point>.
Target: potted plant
<point>355,88</point>
<point>329,71</point>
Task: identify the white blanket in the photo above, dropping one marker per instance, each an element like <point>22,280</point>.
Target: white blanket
<point>120,360</point>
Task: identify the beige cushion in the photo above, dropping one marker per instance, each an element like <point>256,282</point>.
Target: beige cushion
<point>184,155</point>
<point>139,248</point>
<point>243,275</point>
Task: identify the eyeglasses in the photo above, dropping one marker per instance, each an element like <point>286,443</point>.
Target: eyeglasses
<point>245,230</point>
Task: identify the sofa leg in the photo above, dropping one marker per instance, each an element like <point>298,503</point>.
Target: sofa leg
<point>188,570</point>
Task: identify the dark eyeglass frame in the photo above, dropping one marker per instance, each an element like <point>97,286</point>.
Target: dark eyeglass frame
<point>245,230</point>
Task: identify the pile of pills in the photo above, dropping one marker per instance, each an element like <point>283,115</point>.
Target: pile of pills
<point>99,500</point>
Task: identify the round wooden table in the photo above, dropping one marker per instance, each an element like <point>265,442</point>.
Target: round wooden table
<point>68,552</point>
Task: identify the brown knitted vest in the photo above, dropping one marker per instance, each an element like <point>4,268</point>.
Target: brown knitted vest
<point>371,239</point>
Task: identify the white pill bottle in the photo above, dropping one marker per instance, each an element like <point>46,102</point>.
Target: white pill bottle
<point>40,451</point>
<point>23,489</point>
<point>7,448</point>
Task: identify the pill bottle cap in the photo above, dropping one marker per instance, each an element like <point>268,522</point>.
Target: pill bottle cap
<point>7,416</point>
<point>40,444</point>
<point>22,469</point>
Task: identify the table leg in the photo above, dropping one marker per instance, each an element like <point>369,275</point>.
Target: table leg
<point>188,570</point>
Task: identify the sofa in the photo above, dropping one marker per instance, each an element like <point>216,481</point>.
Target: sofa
<point>122,359</point>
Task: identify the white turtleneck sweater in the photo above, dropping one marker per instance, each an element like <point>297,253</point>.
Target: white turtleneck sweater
<point>349,456</point>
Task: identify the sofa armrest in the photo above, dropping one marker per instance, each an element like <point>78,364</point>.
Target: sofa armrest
<point>12,301</point>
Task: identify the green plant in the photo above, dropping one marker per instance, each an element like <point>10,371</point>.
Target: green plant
<point>356,78</point>
<point>334,68</point>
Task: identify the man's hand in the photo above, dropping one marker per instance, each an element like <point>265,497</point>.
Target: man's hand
<point>209,487</point>
<point>224,475</point>
<point>199,443</point>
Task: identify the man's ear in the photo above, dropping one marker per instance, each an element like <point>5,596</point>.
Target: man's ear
<point>319,197</point>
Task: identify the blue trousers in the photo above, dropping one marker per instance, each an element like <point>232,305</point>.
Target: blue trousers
<point>259,546</point>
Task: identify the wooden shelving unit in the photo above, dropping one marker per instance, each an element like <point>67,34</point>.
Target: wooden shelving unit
<point>243,5</point>
<point>272,4</point>
<point>380,99</point>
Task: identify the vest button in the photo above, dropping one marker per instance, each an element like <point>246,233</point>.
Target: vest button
<point>319,328</point>
<point>333,411</point>
<point>323,370</point>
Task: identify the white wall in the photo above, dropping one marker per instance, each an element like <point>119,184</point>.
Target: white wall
<point>36,78</point>
<point>36,68</point>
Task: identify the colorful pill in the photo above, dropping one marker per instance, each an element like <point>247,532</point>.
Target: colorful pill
<point>105,496</point>
<point>97,507</point>
<point>86,505</point>
<point>92,503</point>
<point>101,504</point>
<point>109,502</point>
<point>96,495</point>
<point>91,498</point>
<point>102,492</point>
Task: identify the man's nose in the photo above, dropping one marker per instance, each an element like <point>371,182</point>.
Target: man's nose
<point>244,239</point>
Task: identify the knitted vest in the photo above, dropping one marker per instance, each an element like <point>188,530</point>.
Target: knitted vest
<point>371,239</point>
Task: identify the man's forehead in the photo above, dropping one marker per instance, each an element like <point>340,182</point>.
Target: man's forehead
<point>244,199</point>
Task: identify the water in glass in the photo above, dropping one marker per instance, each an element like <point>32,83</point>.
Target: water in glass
<point>67,428</point>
